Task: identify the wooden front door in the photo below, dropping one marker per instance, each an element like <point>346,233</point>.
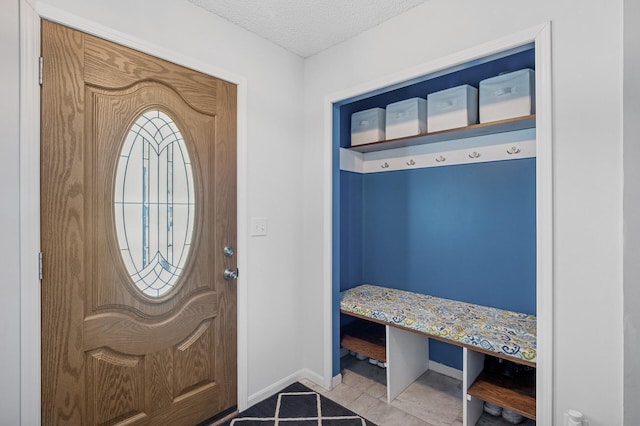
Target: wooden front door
<point>138,201</point>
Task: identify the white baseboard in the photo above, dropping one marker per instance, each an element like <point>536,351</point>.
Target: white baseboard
<point>277,387</point>
<point>320,381</point>
<point>445,370</point>
<point>292,378</point>
<point>315,378</point>
<point>336,380</point>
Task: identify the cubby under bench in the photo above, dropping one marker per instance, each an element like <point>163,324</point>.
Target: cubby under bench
<point>411,319</point>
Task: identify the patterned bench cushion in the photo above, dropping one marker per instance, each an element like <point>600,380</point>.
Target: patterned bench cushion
<point>505,332</point>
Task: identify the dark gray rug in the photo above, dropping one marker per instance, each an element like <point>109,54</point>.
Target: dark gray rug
<point>297,405</point>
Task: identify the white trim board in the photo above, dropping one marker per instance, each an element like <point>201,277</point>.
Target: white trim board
<point>30,331</point>
<point>362,163</point>
<point>540,36</point>
<point>445,370</point>
<point>544,222</point>
<point>278,386</point>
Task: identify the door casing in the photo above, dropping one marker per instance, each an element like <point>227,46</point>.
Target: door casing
<point>30,17</point>
<point>540,36</point>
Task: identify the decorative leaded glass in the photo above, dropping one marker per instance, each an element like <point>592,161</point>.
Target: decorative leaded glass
<point>154,203</point>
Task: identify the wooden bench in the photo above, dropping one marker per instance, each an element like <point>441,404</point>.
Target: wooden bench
<point>411,319</point>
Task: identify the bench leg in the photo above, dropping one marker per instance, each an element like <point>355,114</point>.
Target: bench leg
<point>472,408</point>
<point>407,359</point>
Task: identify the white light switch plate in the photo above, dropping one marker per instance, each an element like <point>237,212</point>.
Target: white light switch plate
<point>258,226</point>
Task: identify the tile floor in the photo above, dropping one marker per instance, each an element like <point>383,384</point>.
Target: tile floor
<point>432,400</point>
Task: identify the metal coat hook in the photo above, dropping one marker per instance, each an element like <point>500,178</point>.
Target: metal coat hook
<point>385,165</point>
<point>474,154</point>
<point>411,162</point>
<point>513,150</point>
<point>440,159</point>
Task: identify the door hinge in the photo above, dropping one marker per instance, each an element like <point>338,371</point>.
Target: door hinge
<point>40,69</point>
<point>40,266</point>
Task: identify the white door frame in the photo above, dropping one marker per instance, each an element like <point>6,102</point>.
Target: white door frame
<point>30,316</point>
<point>541,37</point>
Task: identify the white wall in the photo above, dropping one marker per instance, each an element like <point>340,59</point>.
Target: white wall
<point>587,70</point>
<point>631,212</point>
<point>9,216</point>
<point>185,33</point>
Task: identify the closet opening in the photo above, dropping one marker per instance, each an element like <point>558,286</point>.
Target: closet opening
<point>452,214</point>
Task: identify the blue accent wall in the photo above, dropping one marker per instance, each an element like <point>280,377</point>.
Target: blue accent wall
<point>351,228</point>
<point>465,232</point>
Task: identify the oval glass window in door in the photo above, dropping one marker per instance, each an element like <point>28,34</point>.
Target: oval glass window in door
<point>154,203</point>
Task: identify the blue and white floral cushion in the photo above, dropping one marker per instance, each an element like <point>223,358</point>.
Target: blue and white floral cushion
<point>496,330</point>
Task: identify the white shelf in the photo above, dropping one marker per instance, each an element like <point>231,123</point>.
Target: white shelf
<point>502,126</point>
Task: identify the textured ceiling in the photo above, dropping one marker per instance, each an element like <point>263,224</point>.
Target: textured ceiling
<point>306,27</point>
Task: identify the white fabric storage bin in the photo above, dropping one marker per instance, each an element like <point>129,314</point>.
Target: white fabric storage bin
<point>406,118</point>
<point>452,108</point>
<point>367,126</point>
<point>507,96</point>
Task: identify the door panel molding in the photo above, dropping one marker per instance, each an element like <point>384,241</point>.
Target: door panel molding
<point>122,371</point>
<point>130,103</point>
<point>123,332</point>
<point>117,62</point>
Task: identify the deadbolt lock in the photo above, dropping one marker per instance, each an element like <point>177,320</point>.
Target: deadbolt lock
<point>228,251</point>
